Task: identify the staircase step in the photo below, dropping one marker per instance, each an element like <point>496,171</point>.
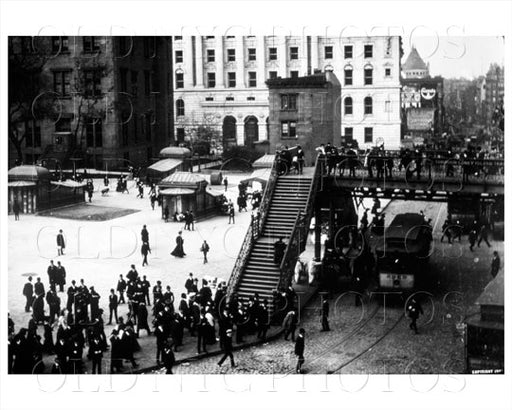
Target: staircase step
<point>265,255</point>
<point>259,267</point>
<point>246,295</point>
<point>292,188</point>
<point>277,228</point>
<point>272,282</point>
<point>261,275</point>
<point>265,247</point>
<point>277,219</point>
<point>264,278</point>
<point>278,231</point>
<point>269,270</point>
<point>260,259</point>
<point>256,288</point>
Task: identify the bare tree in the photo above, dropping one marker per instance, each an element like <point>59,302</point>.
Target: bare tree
<point>25,83</point>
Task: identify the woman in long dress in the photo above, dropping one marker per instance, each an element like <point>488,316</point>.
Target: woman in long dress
<point>178,250</point>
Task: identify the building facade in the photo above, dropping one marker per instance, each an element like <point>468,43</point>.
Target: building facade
<point>421,101</point>
<point>494,87</point>
<point>303,111</point>
<point>220,83</point>
<point>110,99</point>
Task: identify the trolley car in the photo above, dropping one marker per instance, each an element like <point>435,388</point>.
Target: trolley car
<point>484,336</point>
<point>403,254</point>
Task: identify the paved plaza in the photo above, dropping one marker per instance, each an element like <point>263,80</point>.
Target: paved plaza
<point>99,251</point>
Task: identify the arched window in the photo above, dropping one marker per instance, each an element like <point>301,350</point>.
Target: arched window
<point>368,105</point>
<point>349,108</point>
<point>180,108</point>
<point>229,130</point>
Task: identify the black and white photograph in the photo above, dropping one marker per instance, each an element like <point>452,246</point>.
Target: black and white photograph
<point>241,203</point>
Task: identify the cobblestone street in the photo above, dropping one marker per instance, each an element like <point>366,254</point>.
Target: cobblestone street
<point>374,340</point>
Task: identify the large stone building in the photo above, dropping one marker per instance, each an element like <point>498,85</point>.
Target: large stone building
<point>220,84</point>
<point>111,100</point>
<point>304,111</point>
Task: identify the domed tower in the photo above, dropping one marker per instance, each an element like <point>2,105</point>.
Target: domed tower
<point>414,66</point>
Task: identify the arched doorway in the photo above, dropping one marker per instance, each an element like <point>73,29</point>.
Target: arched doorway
<point>250,131</point>
<point>229,131</point>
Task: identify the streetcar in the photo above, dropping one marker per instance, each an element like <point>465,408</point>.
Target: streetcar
<point>466,210</point>
<point>402,255</point>
<point>484,335</point>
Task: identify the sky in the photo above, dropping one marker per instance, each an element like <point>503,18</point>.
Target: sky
<point>455,57</point>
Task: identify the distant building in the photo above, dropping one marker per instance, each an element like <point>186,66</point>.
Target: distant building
<point>220,83</point>
<point>304,111</point>
<point>494,90</point>
<point>113,97</point>
<point>421,101</point>
<point>414,66</point>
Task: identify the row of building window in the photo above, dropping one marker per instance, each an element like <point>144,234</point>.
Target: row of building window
<point>348,106</point>
<point>289,130</point>
<point>89,84</point>
<point>211,80</point>
<point>93,131</point>
<point>272,53</point>
<point>60,44</point>
<point>252,77</point>
<point>289,103</point>
<point>90,44</point>
<point>368,75</point>
<point>231,77</point>
<point>349,134</point>
<point>180,104</point>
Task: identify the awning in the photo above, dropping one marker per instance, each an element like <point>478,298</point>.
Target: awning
<point>260,175</point>
<point>20,184</point>
<point>165,165</point>
<point>177,191</point>
<point>69,184</point>
<point>265,161</point>
<point>494,292</point>
<point>215,194</point>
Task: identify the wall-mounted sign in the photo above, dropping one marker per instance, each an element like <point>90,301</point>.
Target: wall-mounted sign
<point>428,93</point>
<point>420,119</point>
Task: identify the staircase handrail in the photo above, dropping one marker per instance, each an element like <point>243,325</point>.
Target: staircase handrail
<point>243,255</point>
<point>267,195</point>
<point>299,234</point>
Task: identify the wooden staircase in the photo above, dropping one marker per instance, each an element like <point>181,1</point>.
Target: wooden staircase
<point>260,274</point>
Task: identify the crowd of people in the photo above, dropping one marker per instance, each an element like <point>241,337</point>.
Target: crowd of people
<point>75,331</point>
<point>202,312</point>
